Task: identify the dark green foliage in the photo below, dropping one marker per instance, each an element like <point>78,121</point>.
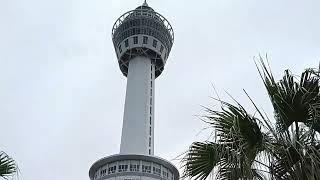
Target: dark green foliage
<point>249,147</point>
<point>294,101</point>
<point>239,141</point>
<point>7,166</point>
<point>203,158</point>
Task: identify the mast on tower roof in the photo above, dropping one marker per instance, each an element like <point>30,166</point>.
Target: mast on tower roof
<point>145,3</point>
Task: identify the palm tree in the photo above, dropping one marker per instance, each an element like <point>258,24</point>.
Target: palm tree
<point>249,146</point>
<point>7,166</point>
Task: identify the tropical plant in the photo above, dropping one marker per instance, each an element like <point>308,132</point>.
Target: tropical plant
<point>249,146</point>
<point>7,166</point>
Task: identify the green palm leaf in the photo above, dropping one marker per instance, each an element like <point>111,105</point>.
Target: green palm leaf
<point>7,165</point>
<point>296,158</point>
<point>293,101</point>
<point>236,129</point>
<point>239,140</point>
<point>201,159</point>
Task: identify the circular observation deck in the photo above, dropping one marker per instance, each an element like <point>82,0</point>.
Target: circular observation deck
<point>142,32</point>
<point>133,167</point>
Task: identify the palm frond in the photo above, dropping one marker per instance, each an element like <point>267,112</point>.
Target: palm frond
<point>7,165</point>
<point>201,159</point>
<point>236,128</point>
<point>296,158</point>
<point>236,173</point>
<point>240,139</point>
<point>293,101</point>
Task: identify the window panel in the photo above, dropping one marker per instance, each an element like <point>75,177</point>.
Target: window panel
<point>145,40</point>
<point>135,40</point>
<point>155,42</point>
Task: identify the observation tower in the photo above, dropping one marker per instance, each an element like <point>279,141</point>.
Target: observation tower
<point>142,40</point>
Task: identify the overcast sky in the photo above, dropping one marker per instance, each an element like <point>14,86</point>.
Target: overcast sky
<point>62,93</point>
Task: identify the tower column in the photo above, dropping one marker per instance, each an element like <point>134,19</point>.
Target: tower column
<point>137,130</point>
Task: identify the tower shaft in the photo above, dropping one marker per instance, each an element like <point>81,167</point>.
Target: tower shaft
<point>138,120</point>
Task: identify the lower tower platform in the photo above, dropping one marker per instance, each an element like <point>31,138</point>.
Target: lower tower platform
<point>133,167</point>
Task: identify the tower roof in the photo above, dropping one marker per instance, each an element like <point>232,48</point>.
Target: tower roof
<point>144,6</point>
<point>145,3</point>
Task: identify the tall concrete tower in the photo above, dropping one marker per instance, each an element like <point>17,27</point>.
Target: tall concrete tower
<point>142,39</point>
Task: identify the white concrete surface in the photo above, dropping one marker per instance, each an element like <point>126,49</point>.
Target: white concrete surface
<point>139,108</point>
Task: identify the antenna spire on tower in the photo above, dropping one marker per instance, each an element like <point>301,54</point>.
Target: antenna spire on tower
<point>145,3</point>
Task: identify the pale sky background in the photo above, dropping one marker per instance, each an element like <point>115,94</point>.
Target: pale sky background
<point>62,93</point>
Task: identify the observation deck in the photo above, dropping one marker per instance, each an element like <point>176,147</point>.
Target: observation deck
<point>133,167</point>
<point>142,32</point>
